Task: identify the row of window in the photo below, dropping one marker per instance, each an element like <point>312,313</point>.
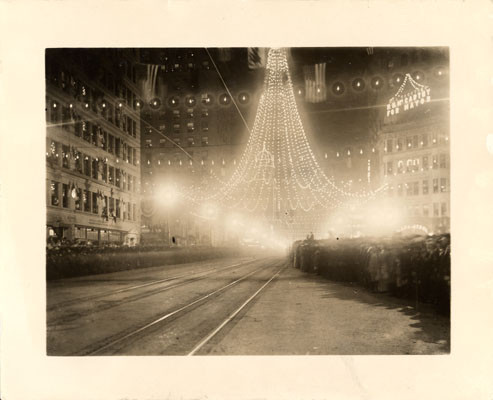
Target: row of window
<point>417,164</point>
<point>65,196</point>
<point>71,84</point>
<point>103,235</point>
<point>191,141</point>
<point>439,185</point>
<point>177,128</point>
<point>429,210</point>
<point>67,114</point>
<point>415,142</point>
<point>94,134</point>
<point>93,167</point>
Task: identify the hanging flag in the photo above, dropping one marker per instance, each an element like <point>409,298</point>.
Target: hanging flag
<point>257,57</point>
<point>149,88</point>
<point>315,87</point>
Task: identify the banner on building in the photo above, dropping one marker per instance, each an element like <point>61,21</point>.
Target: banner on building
<point>315,87</point>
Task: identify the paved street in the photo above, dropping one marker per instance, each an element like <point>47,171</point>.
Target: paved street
<point>233,306</point>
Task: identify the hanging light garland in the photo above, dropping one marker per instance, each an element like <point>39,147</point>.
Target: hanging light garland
<point>278,176</point>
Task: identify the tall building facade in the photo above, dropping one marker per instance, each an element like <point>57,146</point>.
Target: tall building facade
<point>414,142</point>
<point>191,129</point>
<point>93,145</point>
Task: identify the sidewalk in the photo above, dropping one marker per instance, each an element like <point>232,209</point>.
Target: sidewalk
<point>304,314</point>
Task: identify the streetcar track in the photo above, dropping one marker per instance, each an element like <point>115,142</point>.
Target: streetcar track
<point>232,315</point>
<point>140,330</point>
<point>70,317</point>
<point>125,289</point>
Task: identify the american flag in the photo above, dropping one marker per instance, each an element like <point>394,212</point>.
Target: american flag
<point>150,82</point>
<point>257,57</point>
<point>315,88</point>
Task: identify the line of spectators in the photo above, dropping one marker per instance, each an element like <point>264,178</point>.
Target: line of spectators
<point>411,267</point>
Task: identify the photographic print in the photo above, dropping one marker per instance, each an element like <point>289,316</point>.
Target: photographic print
<point>247,201</point>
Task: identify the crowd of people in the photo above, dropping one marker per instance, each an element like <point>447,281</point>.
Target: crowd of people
<point>412,267</point>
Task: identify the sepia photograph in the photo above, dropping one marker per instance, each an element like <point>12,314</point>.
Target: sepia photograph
<point>251,200</point>
<point>247,201</point>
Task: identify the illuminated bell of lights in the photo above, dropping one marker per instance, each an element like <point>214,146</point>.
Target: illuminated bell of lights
<point>278,170</point>
<point>361,151</point>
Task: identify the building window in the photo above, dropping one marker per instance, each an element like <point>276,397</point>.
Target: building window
<point>436,211</point>
<point>415,141</point>
<point>162,128</point>
<point>205,112</point>
<point>415,188</point>
<point>104,173</point>
<point>435,185</point>
<point>425,162</point>
<point>190,127</point>
<point>389,167</point>
<point>205,141</point>
<point>104,140</point>
<point>78,196</point>
<point>443,185</point>
<point>129,214</point>
<point>65,194</point>
<point>133,212</point>
<point>434,139</point>
<point>435,162</point>
<point>65,155</point>
<point>86,200</point>
<point>444,209</point>
<point>205,126</point>
<point>176,114</point>
<point>206,99</point>
<point>94,135</point>
<point>389,145</point>
<point>409,142</point>
<point>55,200</point>
<point>424,140</point>
<point>95,168</point>
<point>87,166</point>
<point>118,147</point>
<point>425,187</point>
<point>443,161</point>
<point>409,189</point>
<point>130,183</point>
<point>162,142</point>
<point>426,210</point>
<point>400,167</point>
<point>134,156</point>
<point>118,211</point>
<point>399,145</point>
<point>111,144</point>
<point>111,175</point>
<point>118,177</point>
<point>190,141</point>
<point>190,112</point>
<point>148,143</point>
<point>176,128</point>
<point>95,203</point>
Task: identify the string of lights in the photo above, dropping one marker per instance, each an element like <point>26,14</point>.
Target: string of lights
<point>278,176</point>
